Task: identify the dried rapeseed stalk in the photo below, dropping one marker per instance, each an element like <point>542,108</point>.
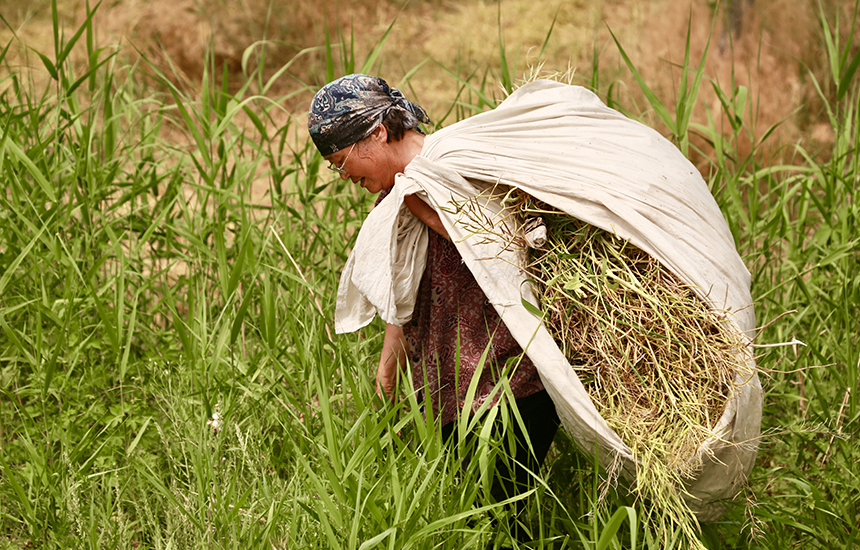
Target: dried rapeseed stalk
<point>658,363</point>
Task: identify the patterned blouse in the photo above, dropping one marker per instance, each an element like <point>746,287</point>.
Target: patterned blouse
<point>451,307</point>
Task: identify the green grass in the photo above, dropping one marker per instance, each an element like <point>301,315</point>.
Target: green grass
<point>143,287</point>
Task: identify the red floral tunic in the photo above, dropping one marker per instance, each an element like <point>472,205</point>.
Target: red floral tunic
<point>452,308</point>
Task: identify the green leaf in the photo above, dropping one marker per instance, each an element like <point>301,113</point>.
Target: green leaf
<point>52,70</point>
<point>12,479</point>
<point>847,77</point>
<point>549,32</point>
<point>531,308</point>
<point>75,37</point>
<point>507,81</point>
<point>239,265</point>
<point>136,440</point>
<point>367,66</point>
<point>9,271</point>
<point>156,484</point>
<point>22,157</point>
<point>240,316</point>
<point>6,49</point>
<point>656,104</point>
<point>52,362</point>
<point>607,536</point>
<point>370,543</point>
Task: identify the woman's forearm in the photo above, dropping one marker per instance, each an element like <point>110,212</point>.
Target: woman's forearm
<point>425,213</point>
<point>392,361</point>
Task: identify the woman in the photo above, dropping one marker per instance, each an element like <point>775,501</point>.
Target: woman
<point>369,133</point>
<point>561,145</point>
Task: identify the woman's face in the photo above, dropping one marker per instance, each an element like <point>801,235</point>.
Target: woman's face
<point>370,163</point>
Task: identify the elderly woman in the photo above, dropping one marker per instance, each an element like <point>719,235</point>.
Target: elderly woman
<point>369,133</point>
<point>561,145</point>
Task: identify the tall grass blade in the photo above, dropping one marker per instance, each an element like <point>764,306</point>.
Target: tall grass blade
<point>373,56</point>
<point>847,77</point>
<point>610,529</point>
<point>652,98</point>
<point>9,146</point>
<point>507,81</point>
<point>549,33</point>
<point>9,273</point>
<point>11,478</point>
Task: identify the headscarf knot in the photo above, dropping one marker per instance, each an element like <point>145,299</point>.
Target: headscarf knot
<point>348,109</point>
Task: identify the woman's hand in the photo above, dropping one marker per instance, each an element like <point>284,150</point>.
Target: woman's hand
<point>393,360</point>
<point>425,213</point>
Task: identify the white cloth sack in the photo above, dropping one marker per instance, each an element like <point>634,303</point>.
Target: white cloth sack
<point>561,145</point>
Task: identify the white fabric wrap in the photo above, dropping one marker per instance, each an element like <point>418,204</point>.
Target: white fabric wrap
<point>563,146</point>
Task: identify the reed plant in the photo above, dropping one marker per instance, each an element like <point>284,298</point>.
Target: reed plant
<point>169,376</point>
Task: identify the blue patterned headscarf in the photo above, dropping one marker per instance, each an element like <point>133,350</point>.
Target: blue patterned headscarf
<point>348,109</point>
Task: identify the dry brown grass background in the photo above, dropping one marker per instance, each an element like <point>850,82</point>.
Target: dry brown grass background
<point>770,46</point>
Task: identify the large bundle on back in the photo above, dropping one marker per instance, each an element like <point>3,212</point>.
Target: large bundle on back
<point>659,363</point>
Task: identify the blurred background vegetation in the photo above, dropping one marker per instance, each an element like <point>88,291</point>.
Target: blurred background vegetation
<point>771,47</point>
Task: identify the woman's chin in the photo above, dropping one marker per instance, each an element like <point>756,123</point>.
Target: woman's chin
<point>370,186</point>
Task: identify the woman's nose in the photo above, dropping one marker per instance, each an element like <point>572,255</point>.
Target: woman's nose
<point>343,175</point>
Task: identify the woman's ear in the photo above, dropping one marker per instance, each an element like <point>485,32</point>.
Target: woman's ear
<point>380,134</point>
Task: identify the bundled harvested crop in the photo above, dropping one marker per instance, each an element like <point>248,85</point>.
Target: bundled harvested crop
<point>658,363</point>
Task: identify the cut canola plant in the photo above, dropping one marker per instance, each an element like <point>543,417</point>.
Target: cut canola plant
<point>657,361</point>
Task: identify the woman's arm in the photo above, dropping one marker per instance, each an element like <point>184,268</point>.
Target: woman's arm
<point>425,213</point>
<point>394,348</point>
<point>393,360</point>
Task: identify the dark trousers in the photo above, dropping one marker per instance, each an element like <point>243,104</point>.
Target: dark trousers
<point>541,422</point>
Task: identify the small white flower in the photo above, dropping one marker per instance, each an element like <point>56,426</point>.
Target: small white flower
<point>216,422</point>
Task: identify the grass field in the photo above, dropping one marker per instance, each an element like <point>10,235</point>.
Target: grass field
<point>169,376</point>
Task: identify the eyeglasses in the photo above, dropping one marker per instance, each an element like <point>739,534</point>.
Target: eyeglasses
<point>339,169</point>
